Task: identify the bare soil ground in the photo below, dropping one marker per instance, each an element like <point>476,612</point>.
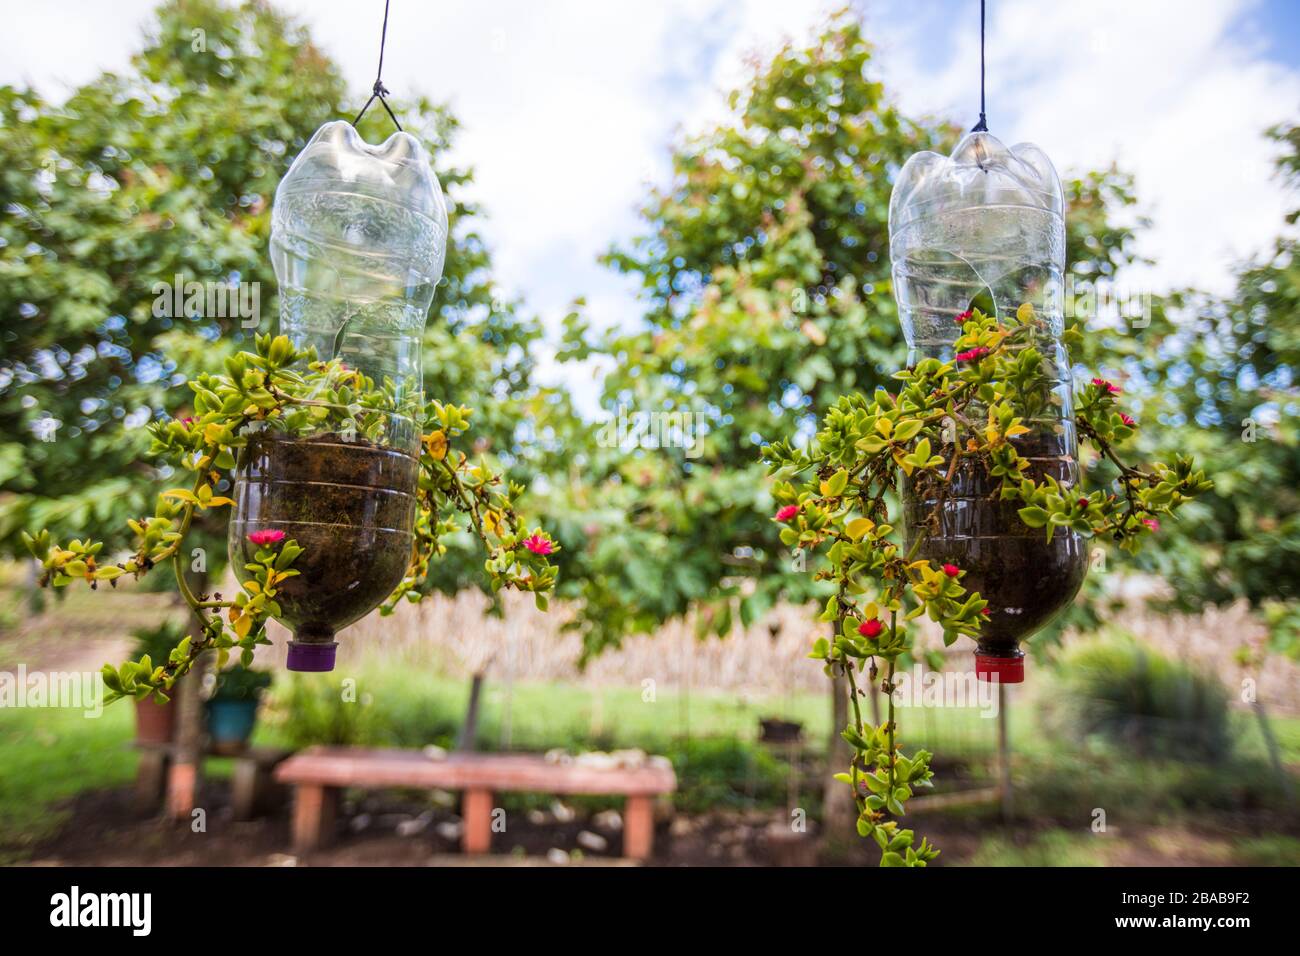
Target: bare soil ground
<point>106,829</point>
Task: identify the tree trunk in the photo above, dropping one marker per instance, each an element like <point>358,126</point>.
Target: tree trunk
<point>187,753</point>
<point>1270,742</point>
<point>838,811</point>
<point>468,738</point>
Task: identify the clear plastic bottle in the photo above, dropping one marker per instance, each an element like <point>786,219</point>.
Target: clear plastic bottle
<point>358,241</point>
<point>985,227</point>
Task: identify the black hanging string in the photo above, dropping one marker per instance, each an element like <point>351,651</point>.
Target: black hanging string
<point>378,91</point>
<point>982,126</point>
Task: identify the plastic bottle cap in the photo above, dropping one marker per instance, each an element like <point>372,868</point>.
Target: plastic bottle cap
<point>311,658</point>
<point>1005,670</point>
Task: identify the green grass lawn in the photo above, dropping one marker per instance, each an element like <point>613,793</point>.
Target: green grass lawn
<point>406,708</point>
<point>49,755</point>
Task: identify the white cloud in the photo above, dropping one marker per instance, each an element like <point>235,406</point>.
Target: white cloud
<point>1166,91</point>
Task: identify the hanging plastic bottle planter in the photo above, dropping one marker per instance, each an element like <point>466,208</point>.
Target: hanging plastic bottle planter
<point>985,227</point>
<point>358,240</point>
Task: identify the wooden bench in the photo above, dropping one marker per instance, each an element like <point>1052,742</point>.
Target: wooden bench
<point>319,773</point>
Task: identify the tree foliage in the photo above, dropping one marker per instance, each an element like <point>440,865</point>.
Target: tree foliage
<point>765,271</point>
<point>167,170</point>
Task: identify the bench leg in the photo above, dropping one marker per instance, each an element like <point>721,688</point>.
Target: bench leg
<point>244,788</point>
<point>314,808</point>
<point>639,827</point>
<point>151,779</point>
<point>477,814</point>
<point>182,791</point>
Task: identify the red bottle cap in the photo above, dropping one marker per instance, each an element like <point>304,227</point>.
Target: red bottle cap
<point>1005,670</point>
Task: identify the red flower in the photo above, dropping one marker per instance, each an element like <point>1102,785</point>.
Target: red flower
<point>268,536</point>
<point>1128,420</point>
<point>539,545</point>
<point>963,318</point>
<point>986,612</point>
<point>187,421</point>
<point>1084,502</point>
<point>871,628</point>
<point>972,355</point>
<point>1106,386</point>
<point>788,512</point>
<point>951,570</point>
<point>1152,523</point>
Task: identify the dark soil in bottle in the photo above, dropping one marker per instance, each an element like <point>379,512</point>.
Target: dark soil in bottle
<point>1026,579</point>
<point>349,503</point>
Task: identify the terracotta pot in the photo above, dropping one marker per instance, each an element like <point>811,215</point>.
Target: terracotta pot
<point>155,723</point>
<point>351,505</point>
<point>775,730</point>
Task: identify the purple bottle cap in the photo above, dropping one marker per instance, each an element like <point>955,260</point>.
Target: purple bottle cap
<point>312,658</point>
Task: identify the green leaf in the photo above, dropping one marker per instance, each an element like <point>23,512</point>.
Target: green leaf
<point>1033,516</point>
<point>908,430</point>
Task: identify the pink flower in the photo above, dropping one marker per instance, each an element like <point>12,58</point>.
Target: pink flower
<point>539,545</point>
<point>963,318</point>
<point>871,628</point>
<point>788,512</point>
<point>1106,386</point>
<point>1151,523</point>
<point>1128,420</point>
<point>951,570</point>
<point>268,536</point>
<point>187,421</point>
<point>972,355</point>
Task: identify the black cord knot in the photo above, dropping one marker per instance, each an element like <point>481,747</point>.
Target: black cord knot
<point>379,91</point>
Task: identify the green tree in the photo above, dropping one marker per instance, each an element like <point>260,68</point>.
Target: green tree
<point>1219,376</point>
<point>765,269</point>
<point>169,169</point>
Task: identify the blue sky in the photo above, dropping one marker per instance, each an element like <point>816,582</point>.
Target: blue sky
<point>570,107</point>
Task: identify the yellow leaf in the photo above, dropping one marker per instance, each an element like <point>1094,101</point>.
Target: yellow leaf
<point>858,527</point>
<point>884,426</point>
<point>870,611</point>
<point>181,494</point>
<point>218,502</point>
<point>436,442</point>
<point>1015,430</point>
<point>1025,313</point>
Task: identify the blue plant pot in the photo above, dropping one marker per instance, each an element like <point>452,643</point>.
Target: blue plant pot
<point>230,723</point>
